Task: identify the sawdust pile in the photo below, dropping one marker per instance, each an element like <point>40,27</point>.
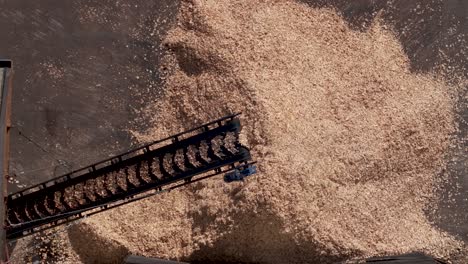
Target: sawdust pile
<point>349,141</point>
<point>46,247</point>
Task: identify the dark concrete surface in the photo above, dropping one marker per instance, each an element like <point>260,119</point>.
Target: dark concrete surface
<point>82,67</point>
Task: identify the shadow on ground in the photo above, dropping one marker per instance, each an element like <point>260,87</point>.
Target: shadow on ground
<point>256,236</point>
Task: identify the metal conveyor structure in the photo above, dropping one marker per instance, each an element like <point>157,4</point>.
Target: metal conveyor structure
<point>196,154</point>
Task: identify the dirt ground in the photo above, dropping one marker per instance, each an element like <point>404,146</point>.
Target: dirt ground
<point>77,69</point>
<point>90,68</point>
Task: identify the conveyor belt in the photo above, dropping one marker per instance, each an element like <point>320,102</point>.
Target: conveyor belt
<point>205,151</point>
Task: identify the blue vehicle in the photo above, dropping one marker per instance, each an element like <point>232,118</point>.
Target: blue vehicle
<point>240,173</point>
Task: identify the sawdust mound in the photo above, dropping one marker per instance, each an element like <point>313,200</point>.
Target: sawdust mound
<point>349,141</point>
<point>93,248</point>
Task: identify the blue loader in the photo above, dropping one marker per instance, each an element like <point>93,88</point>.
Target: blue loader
<point>240,173</point>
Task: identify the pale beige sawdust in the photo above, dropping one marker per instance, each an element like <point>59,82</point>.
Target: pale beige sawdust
<point>45,247</point>
<point>160,231</point>
<point>95,249</point>
<point>349,141</point>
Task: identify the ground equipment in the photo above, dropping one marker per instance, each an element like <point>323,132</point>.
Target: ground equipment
<point>163,165</point>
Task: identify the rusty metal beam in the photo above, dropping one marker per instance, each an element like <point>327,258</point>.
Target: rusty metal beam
<point>5,124</point>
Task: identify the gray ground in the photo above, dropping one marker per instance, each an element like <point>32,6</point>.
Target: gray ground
<point>77,65</point>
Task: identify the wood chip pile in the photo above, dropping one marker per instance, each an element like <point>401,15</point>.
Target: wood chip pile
<point>350,142</point>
